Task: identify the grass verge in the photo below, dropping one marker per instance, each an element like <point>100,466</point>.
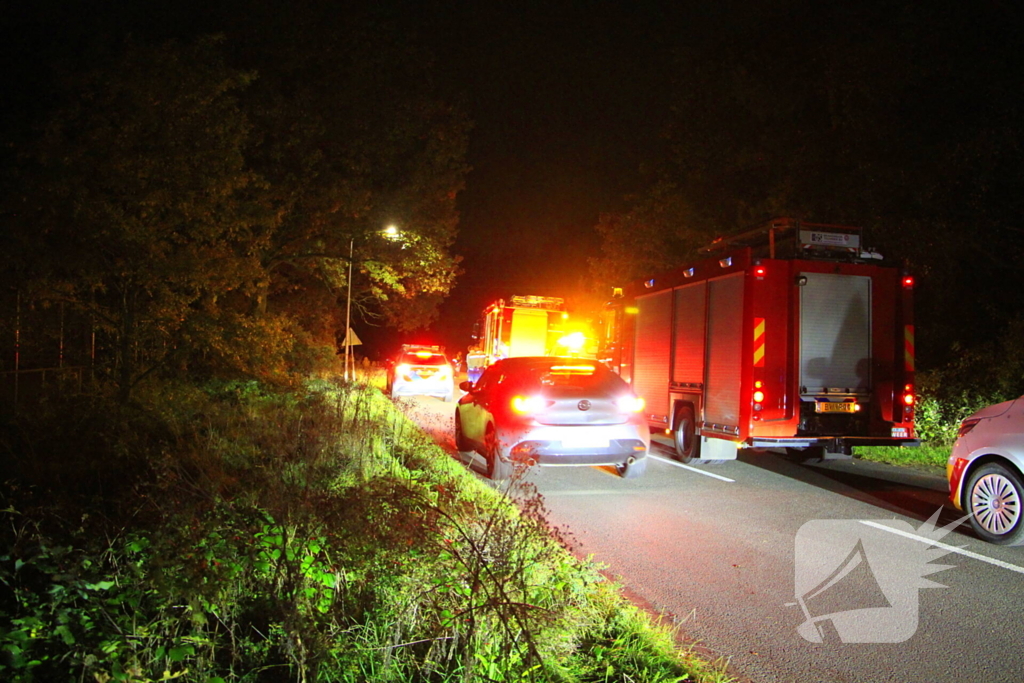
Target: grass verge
<point>925,456</point>
<point>238,534</point>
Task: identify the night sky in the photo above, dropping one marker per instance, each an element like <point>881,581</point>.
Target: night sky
<point>568,104</point>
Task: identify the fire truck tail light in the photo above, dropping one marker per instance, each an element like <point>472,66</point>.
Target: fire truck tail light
<point>908,395</point>
<point>630,404</point>
<point>760,271</point>
<point>758,396</point>
<point>908,281</point>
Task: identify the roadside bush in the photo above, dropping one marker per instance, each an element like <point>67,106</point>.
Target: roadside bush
<point>990,373</point>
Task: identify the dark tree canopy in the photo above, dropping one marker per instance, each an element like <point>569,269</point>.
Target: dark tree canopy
<point>201,202</point>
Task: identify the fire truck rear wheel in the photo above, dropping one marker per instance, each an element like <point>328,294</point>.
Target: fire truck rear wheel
<point>685,436</point>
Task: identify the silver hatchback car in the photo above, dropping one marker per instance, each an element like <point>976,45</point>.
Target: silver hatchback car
<point>552,411</point>
<point>986,472</point>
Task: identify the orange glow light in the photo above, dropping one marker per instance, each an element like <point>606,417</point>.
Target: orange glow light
<point>572,369</point>
<point>528,404</point>
<point>631,404</point>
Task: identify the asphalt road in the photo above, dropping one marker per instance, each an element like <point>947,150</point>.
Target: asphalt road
<point>726,551</point>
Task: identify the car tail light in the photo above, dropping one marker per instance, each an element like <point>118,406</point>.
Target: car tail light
<point>404,370</point>
<point>529,404</point>
<point>631,404</point>
<point>444,372</point>
<point>966,426</point>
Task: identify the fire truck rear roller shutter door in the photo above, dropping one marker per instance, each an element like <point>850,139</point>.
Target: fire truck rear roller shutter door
<point>835,332</point>
<point>691,304</point>
<point>653,340</point>
<point>725,351</point>
<point>529,333</point>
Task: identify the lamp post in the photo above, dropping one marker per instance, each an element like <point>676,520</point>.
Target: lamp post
<point>392,233</point>
<point>348,309</point>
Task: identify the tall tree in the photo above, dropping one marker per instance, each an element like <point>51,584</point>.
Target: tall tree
<point>132,206</point>
<point>355,137</point>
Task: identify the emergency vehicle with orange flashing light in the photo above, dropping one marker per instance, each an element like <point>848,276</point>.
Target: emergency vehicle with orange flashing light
<point>789,335</point>
<point>533,326</point>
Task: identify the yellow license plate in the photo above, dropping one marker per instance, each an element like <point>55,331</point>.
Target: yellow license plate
<point>830,407</point>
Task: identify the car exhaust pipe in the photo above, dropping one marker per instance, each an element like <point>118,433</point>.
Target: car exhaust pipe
<point>530,462</point>
<point>630,460</point>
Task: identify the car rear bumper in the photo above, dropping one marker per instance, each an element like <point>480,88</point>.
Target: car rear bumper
<point>576,445</point>
<point>546,453</point>
<point>435,389</point>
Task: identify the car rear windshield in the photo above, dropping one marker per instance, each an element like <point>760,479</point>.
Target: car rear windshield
<point>423,358</point>
<point>583,376</point>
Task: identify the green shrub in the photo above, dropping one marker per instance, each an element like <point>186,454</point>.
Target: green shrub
<point>305,535</point>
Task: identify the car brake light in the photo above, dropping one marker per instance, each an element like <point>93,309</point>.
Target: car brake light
<point>966,426</point>
<point>528,404</point>
<point>631,404</point>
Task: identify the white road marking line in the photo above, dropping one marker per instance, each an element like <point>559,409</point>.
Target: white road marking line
<point>944,546</point>
<point>692,469</point>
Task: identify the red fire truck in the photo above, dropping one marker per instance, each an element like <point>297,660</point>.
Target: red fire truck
<point>789,335</point>
<point>533,326</point>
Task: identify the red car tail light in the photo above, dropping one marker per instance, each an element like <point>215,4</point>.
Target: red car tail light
<point>630,404</point>
<point>526,405</point>
<point>966,426</point>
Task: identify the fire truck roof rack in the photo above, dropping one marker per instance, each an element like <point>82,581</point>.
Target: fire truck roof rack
<point>790,237</point>
<point>551,303</point>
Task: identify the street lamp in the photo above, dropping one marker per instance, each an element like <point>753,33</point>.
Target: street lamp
<point>391,233</point>
<point>348,309</point>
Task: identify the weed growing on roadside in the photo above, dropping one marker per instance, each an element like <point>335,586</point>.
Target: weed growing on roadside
<point>311,535</point>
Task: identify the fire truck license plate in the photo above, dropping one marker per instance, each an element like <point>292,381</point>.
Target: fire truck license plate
<point>829,407</point>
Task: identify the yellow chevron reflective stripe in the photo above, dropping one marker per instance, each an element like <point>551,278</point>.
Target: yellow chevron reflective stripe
<point>758,342</point>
